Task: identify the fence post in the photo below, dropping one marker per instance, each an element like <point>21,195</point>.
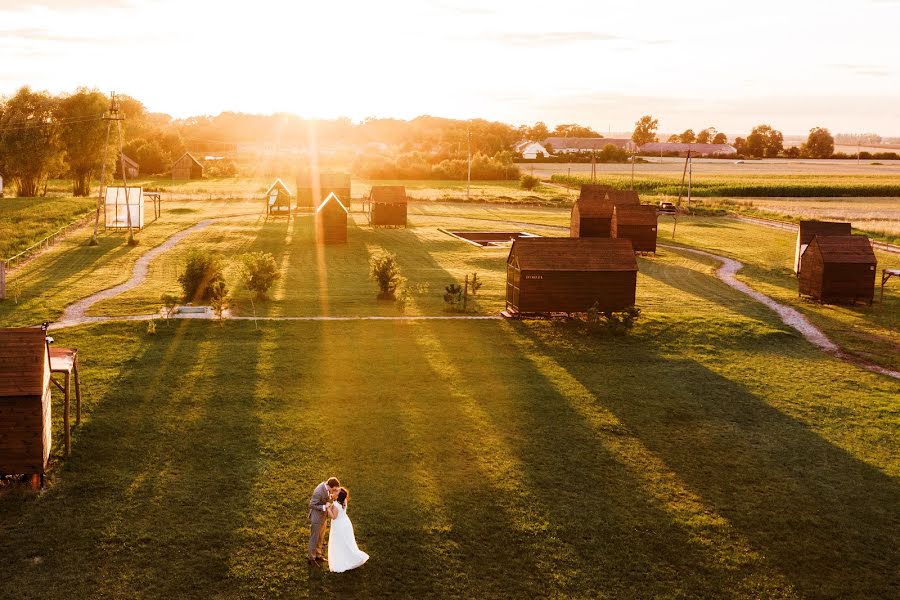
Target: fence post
<point>2,279</point>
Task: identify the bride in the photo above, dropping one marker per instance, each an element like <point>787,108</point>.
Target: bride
<point>343,553</point>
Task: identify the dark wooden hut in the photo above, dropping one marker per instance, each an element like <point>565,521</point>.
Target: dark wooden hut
<point>810,229</point>
<point>132,169</point>
<point>636,223</point>
<point>623,197</point>
<point>839,269</point>
<point>25,433</point>
<point>312,189</point>
<point>187,167</point>
<point>279,199</point>
<point>570,275</point>
<point>331,221</point>
<point>387,205</point>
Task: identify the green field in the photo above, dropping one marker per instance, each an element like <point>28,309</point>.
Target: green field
<point>25,221</point>
<point>711,452</point>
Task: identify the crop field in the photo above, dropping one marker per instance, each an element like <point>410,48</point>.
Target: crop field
<point>710,452</point>
<point>715,166</point>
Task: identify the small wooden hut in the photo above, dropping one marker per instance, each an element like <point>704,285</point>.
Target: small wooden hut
<point>387,206</point>
<point>311,190</point>
<point>569,275</point>
<point>636,223</point>
<point>623,197</point>
<point>839,269</point>
<point>25,434</point>
<point>331,221</point>
<point>810,229</point>
<point>279,200</point>
<point>591,219</point>
<point>132,169</point>
<point>187,167</point>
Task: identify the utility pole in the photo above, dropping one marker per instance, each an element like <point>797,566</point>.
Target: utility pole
<point>632,171</point>
<point>469,153</point>
<point>109,117</point>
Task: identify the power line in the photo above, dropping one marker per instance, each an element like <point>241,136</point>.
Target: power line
<point>43,124</point>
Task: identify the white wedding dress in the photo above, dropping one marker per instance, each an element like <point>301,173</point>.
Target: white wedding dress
<point>343,553</point>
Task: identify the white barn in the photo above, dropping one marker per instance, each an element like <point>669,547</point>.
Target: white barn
<point>532,150</point>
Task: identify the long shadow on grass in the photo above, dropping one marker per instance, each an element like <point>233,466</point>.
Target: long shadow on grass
<point>159,482</point>
<point>821,517</point>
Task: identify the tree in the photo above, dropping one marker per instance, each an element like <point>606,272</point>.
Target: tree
<point>740,144</point>
<point>29,139</point>
<point>674,139</point>
<point>706,136</point>
<point>764,141</point>
<point>645,130</point>
<point>258,271</point>
<point>819,143</point>
<point>384,270</point>
<point>720,138</point>
<point>687,137</point>
<point>574,130</point>
<point>202,271</point>
<point>83,136</point>
<point>539,132</point>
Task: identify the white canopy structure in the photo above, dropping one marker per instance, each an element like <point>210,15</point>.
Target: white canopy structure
<point>117,209</point>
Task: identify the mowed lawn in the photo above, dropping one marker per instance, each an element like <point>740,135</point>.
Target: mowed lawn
<point>26,221</point>
<point>488,459</point>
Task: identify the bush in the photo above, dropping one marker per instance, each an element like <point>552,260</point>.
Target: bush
<point>453,296</point>
<point>202,271</point>
<point>529,182</point>
<point>616,322</point>
<point>258,271</point>
<point>218,298</point>
<point>384,270</point>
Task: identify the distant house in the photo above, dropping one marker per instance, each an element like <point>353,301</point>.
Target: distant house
<point>682,149</point>
<point>187,167</point>
<point>532,150</point>
<point>571,145</point>
<point>132,169</point>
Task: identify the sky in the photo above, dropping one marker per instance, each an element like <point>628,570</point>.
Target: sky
<point>794,64</point>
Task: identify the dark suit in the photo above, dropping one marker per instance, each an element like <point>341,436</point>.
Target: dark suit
<point>318,519</point>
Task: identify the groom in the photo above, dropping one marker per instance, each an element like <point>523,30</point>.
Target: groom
<point>324,493</point>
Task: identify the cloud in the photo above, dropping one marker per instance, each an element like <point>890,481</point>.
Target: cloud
<point>861,69</point>
<point>61,5</point>
<point>45,35</point>
<point>553,38</point>
<point>466,10</point>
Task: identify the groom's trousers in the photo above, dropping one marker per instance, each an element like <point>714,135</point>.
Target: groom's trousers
<point>318,520</point>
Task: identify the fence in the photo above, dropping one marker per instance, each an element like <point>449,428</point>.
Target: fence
<point>884,246</point>
<point>22,257</point>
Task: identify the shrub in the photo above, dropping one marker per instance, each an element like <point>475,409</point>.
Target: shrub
<point>616,322</point>
<point>529,182</point>
<point>258,271</point>
<point>218,298</point>
<point>384,270</point>
<point>453,296</point>
<point>170,303</point>
<point>475,284</point>
<point>202,271</point>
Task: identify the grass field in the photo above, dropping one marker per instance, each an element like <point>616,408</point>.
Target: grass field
<point>25,221</point>
<point>712,452</point>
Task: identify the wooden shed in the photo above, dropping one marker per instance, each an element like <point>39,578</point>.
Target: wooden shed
<point>25,434</point>
<point>279,199</point>
<point>839,269</point>
<point>312,189</point>
<point>623,197</point>
<point>810,229</point>
<point>387,205</point>
<point>132,169</point>
<point>331,221</point>
<point>569,275</point>
<point>591,219</point>
<point>187,167</point>
<point>636,223</point>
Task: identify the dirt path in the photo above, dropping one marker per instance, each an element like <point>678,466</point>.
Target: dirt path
<point>790,316</point>
<point>74,313</point>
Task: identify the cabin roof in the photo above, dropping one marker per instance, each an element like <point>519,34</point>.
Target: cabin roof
<point>573,254</point>
<point>278,185</point>
<point>846,249</point>
<point>810,229</point>
<point>388,194</point>
<point>643,214</point>
<point>593,191</point>
<point>623,197</point>
<point>23,360</point>
<point>332,197</point>
<point>191,157</point>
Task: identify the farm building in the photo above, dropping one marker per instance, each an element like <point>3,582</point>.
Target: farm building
<point>25,433</point>
<point>532,150</point>
<point>569,145</point>
<point>810,229</point>
<point>591,219</point>
<point>548,275</point>
<point>187,167</point>
<point>682,149</point>
<point>635,223</point>
<point>331,221</point>
<point>119,202</point>
<point>132,169</point>
<point>311,190</point>
<point>387,205</point>
<point>839,269</point>
<point>278,199</point>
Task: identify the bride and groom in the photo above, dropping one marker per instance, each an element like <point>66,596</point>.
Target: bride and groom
<point>329,500</point>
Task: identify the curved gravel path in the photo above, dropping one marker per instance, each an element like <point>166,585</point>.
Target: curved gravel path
<point>74,313</point>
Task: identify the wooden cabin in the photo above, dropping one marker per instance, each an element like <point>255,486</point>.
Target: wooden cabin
<point>570,275</point>
<point>623,197</point>
<point>839,269</point>
<point>279,199</point>
<point>25,434</point>
<point>810,229</point>
<point>312,191</point>
<point>636,223</point>
<point>387,206</point>
<point>187,167</point>
<point>331,221</point>
<point>591,219</point>
<point>132,169</point>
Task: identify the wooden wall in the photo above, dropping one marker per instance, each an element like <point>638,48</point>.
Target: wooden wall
<point>836,282</point>
<point>569,291</point>
<point>383,214</point>
<point>638,224</point>
<point>331,224</point>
